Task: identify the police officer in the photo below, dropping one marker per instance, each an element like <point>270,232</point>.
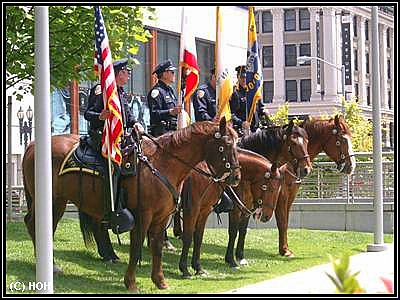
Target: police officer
<point>204,100</point>
<point>164,111</point>
<point>96,114</point>
<point>162,101</point>
<point>238,105</point>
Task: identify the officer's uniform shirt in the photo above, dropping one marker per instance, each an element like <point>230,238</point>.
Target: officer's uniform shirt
<point>95,106</point>
<point>161,99</point>
<point>204,103</point>
<point>238,109</point>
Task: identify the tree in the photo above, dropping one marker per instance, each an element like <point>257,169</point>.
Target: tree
<point>71,41</point>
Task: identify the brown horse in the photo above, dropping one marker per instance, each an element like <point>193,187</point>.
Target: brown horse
<point>259,190</point>
<point>278,144</point>
<point>334,138</point>
<point>173,156</point>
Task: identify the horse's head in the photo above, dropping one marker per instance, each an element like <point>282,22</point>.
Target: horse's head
<point>265,193</point>
<point>338,145</point>
<point>295,146</point>
<point>221,155</point>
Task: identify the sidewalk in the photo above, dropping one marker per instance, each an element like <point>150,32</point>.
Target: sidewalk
<point>372,266</point>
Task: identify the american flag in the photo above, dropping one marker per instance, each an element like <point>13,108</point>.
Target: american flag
<point>113,128</point>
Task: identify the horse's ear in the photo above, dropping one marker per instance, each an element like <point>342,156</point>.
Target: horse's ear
<point>306,119</point>
<point>290,127</point>
<point>222,126</point>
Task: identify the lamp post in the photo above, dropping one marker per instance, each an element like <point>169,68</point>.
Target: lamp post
<point>303,59</point>
<point>25,128</point>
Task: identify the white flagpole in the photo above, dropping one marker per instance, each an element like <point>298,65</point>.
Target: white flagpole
<point>217,67</point>
<point>179,102</point>
<point>43,173</point>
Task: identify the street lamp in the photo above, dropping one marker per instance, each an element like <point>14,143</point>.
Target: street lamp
<point>302,59</point>
<point>25,128</point>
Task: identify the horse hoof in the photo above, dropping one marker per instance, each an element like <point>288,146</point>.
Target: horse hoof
<point>162,285</point>
<point>186,275</point>
<point>130,285</point>
<point>202,273</point>
<point>288,253</point>
<point>233,264</point>
<point>243,262</point>
<point>57,270</point>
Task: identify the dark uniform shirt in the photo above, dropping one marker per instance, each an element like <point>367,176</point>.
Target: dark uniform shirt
<point>204,103</point>
<point>238,109</point>
<point>96,105</point>
<point>161,99</point>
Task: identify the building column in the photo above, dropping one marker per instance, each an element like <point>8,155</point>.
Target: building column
<point>362,68</point>
<point>314,14</point>
<point>383,65</point>
<point>392,68</point>
<point>350,88</point>
<point>387,134</point>
<point>329,54</point>
<point>279,55</point>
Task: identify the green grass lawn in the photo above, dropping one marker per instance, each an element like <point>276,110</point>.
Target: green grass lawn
<point>85,273</point>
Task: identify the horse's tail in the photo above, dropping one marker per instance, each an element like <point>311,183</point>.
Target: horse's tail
<point>28,196</point>
<point>86,225</point>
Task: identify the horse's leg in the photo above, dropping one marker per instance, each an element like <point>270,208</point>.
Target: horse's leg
<point>281,215</point>
<point>186,242</point>
<point>59,206</point>
<point>156,243</point>
<point>232,232</point>
<point>136,244</point>
<point>239,254</point>
<point>177,225</point>
<point>198,240</point>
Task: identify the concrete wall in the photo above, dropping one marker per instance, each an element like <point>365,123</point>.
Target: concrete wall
<point>342,217</point>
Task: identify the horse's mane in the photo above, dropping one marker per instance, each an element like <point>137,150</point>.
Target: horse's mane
<point>318,126</point>
<point>264,140</point>
<point>252,154</point>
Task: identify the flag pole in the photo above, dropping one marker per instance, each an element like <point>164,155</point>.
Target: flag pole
<point>217,89</point>
<point>109,158</point>
<point>179,102</point>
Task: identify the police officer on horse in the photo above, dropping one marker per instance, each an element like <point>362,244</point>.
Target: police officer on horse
<point>96,114</point>
<point>238,105</point>
<point>163,101</point>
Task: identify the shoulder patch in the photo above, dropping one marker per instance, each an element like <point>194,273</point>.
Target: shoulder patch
<point>200,94</point>
<point>155,93</point>
<point>97,91</point>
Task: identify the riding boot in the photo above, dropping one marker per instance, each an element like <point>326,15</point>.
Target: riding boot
<point>224,205</point>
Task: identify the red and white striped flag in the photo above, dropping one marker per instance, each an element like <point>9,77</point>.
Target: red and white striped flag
<point>113,128</point>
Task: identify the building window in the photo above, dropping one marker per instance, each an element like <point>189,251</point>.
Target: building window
<point>267,25</point>
<point>388,37</point>
<point>304,19</point>
<point>366,30</point>
<point>305,87</point>
<point>367,62</point>
<point>355,26</point>
<point>389,99</point>
<point>268,57</point>
<point>168,48</point>
<point>137,84</point>
<point>388,69</point>
<point>356,93</point>
<point>268,87</point>
<point>290,55</point>
<point>290,20</point>
<point>391,133</point>
<point>205,59</point>
<point>305,50</point>
<point>368,96</point>
<point>291,90</point>
<point>355,60</point>
<point>256,15</point>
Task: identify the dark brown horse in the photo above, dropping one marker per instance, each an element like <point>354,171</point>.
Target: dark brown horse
<point>278,144</point>
<point>258,188</point>
<point>334,138</point>
<point>200,141</point>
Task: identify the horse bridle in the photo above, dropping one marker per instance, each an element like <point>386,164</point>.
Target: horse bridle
<point>217,135</point>
<point>296,160</point>
<point>342,156</point>
<point>230,167</point>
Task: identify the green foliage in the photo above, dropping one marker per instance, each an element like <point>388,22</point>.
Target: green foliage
<point>71,41</point>
<point>281,116</point>
<point>360,127</point>
<point>345,282</point>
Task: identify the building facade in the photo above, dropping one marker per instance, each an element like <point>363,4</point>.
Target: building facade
<point>338,35</point>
